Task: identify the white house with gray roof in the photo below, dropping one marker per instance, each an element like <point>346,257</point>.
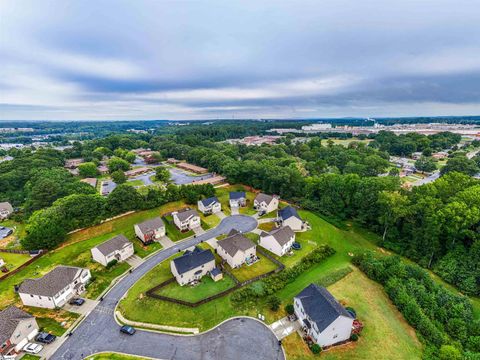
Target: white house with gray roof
<point>150,230</point>
<point>279,241</point>
<point>6,210</point>
<point>209,206</point>
<point>192,265</point>
<point>118,248</point>
<point>55,288</point>
<point>186,219</point>
<point>17,328</point>
<point>289,216</point>
<point>323,318</point>
<point>236,249</point>
<point>265,203</point>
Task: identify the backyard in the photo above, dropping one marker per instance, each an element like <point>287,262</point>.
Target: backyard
<point>223,195</point>
<point>246,272</point>
<point>13,261</point>
<point>172,231</point>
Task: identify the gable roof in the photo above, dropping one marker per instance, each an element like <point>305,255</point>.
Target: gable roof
<point>235,242</point>
<point>114,244</point>
<point>192,259</point>
<point>6,206</point>
<point>51,283</point>
<point>186,214</point>
<point>9,319</point>
<point>261,197</point>
<point>288,212</point>
<point>282,235</point>
<point>321,306</point>
<point>209,201</point>
<point>236,195</point>
<point>151,225</point>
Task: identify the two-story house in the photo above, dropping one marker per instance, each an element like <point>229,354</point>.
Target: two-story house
<point>118,248</point>
<point>236,249</point>
<point>209,206</point>
<point>279,241</point>
<point>265,203</point>
<point>17,328</point>
<point>289,216</point>
<point>237,199</point>
<point>192,265</point>
<point>186,219</point>
<point>150,230</point>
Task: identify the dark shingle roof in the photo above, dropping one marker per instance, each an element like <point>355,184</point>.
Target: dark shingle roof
<point>235,242</point>
<point>151,225</point>
<point>51,283</point>
<point>288,212</point>
<point>235,195</point>
<point>9,319</point>
<point>209,201</point>
<point>192,259</point>
<point>216,271</point>
<point>321,306</point>
<point>186,214</point>
<point>282,235</point>
<point>261,197</point>
<point>114,244</point>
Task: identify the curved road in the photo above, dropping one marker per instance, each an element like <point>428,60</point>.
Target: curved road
<point>236,339</point>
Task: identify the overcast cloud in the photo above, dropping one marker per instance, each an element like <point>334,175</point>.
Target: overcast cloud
<point>113,59</point>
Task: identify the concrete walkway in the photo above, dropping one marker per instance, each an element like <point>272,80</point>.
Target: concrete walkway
<point>166,242</point>
<point>134,261</point>
<point>284,327</point>
<point>221,215</point>
<point>84,309</point>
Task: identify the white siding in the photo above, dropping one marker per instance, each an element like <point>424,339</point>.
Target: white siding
<point>271,244</point>
<point>189,276</point>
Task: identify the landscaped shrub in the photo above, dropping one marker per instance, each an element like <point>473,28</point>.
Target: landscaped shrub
<point>334,276</point>
<point>349,308</point>
<point>354,337</point>
<point>290,309</point>
<point>112,263</point>
<point>274,302</point>
<point>316,349</point>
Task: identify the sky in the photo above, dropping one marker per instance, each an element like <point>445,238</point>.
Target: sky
<point>116,59</point>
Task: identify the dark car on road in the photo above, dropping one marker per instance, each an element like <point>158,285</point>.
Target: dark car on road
<point>45,338</point>
<point>77,301</point>
<point>129,330</point>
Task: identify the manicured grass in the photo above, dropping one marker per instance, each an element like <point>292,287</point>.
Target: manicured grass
<point>51,320</point>
<point>223,195</point>
<point>245,272</point>
<point>210,221</point>
<point>269,226</point>
<point>345,142</point>
<point>13,261</point>
<point>114,356</point>
<point>206,288</point>
<point>383,324</point>
<point>30,357</point>
<point>172,231</point>
<point>135,182</point>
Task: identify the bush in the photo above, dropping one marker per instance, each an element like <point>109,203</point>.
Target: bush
<point>274,302</point>
<point>349,308</point>
<point>290,309</point>
<point>112,263</point>
<point>316,349</point>
<point>354,337</point>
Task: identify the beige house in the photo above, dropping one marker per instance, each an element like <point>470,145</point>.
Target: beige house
<point>55,288</point>
<point>6,210</point>
<point>279,241</point>
<point>237,199</point>
<point>186,219</point>
<point>192,265</point>
<point>118,248</point>
<point>17,328</point>
<point>236,249</point>
<point>209,206</point>
<point>265,203</point>
<point>289,217</point>
<point>150,230</point>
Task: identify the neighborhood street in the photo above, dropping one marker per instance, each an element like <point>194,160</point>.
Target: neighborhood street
<point>235,339</point>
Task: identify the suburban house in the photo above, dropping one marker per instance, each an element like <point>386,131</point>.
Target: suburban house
<point>186,219</point>
<point>323,318</point>
<point>17,328</point>
<point>209,206</point>
<point>55,288</point>
<point>278,241</point>
<point>118,248</point>
<point>238,199</point>
<point>90,181</point>
<point>192,265</point>
<point>289,217</point>
<point>150,230</point>
<point>236,249</point>
<point>265,203</point>
<point>6,210</point>
<point>73,163</point>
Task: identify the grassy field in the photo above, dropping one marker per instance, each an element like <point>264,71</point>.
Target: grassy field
<point>206,288</point>
<point>211,221</point>
<point>386,335</point>
<point>135,182</point>
<point>113,356</point>
<point>51,320</point>
<point>345,142</point>
<point>13,261</point>
<point>172,231</point>
<point>245,272</point>
<point>223,196</point>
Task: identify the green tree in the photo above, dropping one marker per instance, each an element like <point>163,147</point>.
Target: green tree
<point>162,174</point>
<point>449,352</point>
<point>88,169</point>
<point>461,164</point>
<point>122,199</point>
<point>274,302</point>
<point>425,164</point>
<point>118,176</point>
<point>116,163</point>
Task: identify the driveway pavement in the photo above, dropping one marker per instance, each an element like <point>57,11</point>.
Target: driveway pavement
<point>236,339</point>
<point>145,178</point>
<point>85,309</point>
<point>428,179</point>
<point>284,327</point>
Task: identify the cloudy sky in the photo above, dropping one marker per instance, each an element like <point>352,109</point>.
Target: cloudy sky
<point>114,59</point>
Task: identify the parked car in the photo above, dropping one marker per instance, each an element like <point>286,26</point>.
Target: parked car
<point>126,329</point>
<point>45,338</point>
<point>32,348</point>
<point>77,301</point>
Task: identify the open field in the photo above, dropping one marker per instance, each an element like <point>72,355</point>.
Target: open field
<point>345,142</point>
<point>51,320</point>
<point>13,261</point>
<point>386,334</point>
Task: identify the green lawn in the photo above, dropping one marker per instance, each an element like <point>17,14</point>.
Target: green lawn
<point>269,226</point>
<point>135,182</point>
<point>12,261</point>
<point>113,356</point>
<point>223,196</point>
<point>206,288</point>
<point>245,272</point>
<point>172,231</point>
<point>30,357</point>
<point>51,320</point>
<point>209,221</point>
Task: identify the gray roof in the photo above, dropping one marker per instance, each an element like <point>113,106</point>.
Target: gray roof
<point>192,259</point>
<point>209,201</point>
<point>320,306</point>
<point>261,197</point>
<point>282,234</point>
<point>233,243</point>
<point>186,214</point>
<point>6,206</point>
<point>112,245</point>
<point>51,283</point>
<point>151,225</point>
<point>288,212</point>
<point>235,195</point>
<point>9,319</point>
<point>216,271</point>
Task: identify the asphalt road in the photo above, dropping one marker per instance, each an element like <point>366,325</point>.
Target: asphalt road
<point>236,339</point>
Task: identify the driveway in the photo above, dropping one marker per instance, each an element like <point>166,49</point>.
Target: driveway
<point>236,339</point>
<point>284,327</point>
<point>428,179</point>
<point>145,178</point>
<point>84,309</point>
